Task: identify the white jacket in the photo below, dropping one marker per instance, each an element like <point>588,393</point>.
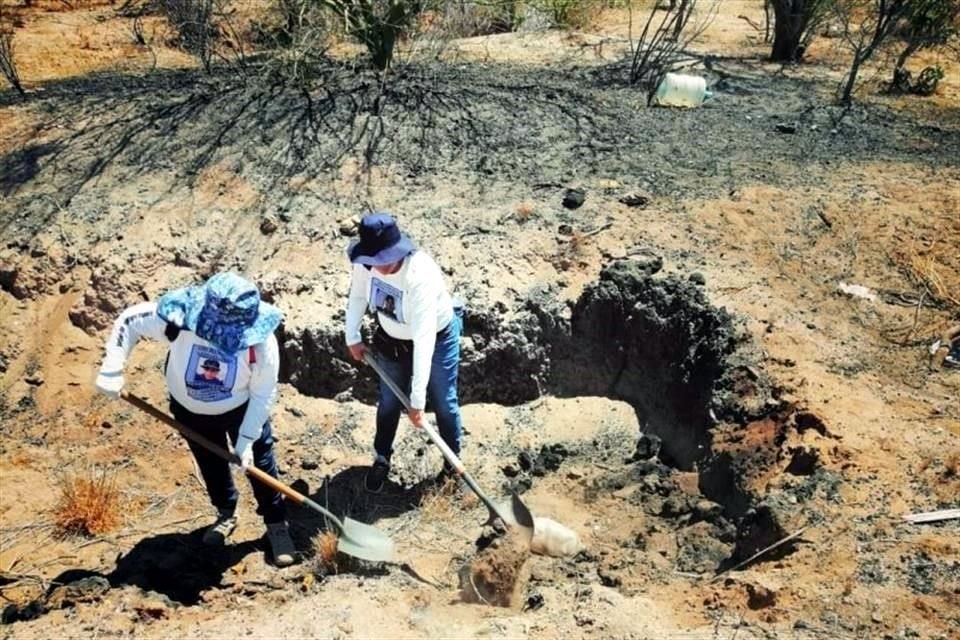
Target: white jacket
<point>200,376</point>
<point>411,304</point>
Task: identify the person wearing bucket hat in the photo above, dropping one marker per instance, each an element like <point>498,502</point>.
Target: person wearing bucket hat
<point>417,335</point>
<point>221,373</point>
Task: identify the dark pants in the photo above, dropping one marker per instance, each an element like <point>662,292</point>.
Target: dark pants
<point>216,471</point>
<point>441,388</point>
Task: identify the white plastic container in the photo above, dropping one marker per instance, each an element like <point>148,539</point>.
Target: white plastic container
<point>681,90</point>
<point>550,538</point>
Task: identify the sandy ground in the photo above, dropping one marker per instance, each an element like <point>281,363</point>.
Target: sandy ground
<point>772,246</point>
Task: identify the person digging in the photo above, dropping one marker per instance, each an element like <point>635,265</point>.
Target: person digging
<point>417,337</point>
<point>221,373</point>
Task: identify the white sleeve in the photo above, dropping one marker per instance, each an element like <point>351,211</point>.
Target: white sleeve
<point>356,305</point>
<point>263,389</point>
<point>423,307</point>
<point>140,320</point>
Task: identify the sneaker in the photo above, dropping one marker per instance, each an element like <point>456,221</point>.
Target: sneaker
<point>218,533</point>
<point>281,544</point>
<point>376,476</point>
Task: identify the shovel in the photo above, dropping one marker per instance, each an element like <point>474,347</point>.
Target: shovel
<point>521,514</point>
<point>356,538</point>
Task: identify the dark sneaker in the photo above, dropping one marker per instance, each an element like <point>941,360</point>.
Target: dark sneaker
<point>218,533</point>
<point>376,476</point>
<point>281,545</point>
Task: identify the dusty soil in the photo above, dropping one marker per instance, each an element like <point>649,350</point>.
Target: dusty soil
<point>679,382</point>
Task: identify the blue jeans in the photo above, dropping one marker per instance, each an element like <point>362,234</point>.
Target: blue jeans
<point>441,391</point>
<point>216,471</point>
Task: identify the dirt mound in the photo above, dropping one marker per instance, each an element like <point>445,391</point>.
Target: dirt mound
<point>496,576</point>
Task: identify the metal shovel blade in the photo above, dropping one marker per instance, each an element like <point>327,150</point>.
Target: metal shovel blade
<point>365,542</point>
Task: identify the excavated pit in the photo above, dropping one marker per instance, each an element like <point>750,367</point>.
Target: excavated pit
<point>687,368</point>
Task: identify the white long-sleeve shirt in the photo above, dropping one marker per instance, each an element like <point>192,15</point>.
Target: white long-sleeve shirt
<point>200,376</point>
<point>411,304</point>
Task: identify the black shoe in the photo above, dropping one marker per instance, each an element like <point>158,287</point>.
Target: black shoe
<point>376,476</point>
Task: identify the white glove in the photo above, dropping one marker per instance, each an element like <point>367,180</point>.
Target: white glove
<point>110,383</point>
<point>244,451</point>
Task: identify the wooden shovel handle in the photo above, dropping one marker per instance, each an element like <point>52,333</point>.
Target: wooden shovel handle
<point>190,434</point>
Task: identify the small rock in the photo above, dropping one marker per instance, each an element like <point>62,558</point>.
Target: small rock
<point>608,579</point>
<point>565,230</point>
<point>876,618</point>
<point>647,261</point>
<point>534,602</point>
<point>35,379</point>
<point>760,597</point>
<point>296,411</point>
<point>268,224</point>
<point>574,198</point>
<point>106,425</point>
<point>707,510</point>
<point>510,471</point>
<point>344,396</point>
<point>783,127</point>
<point>635,199</point>
<point>648,446</point>
<point>525,460</point>
<point>309,464</point>
<point>697,278</point>
<point>348,226</point>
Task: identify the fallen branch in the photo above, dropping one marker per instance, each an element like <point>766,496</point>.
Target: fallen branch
<point>779,543</point>
<point>932,516</point>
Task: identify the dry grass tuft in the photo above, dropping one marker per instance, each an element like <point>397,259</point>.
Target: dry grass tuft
<point>934,262</point>
<point>89,505</point>
<point>325,553</point>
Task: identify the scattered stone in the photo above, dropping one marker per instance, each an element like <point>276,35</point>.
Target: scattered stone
<point>648,446</point>
<point>344,396</point>
<point>525,460</point>
<point>349,226</point>
<point>635,200</point>
<point>510,471</point>
<point>608,578</point>
<point>268,224</point>
<point>309,464</point>
<point>534,602</point>
<point>707,511</point>
<point>565,230</point>
<point>35,379</point>
<point>804,462</point>
<point>646,261</point>
<point>759,596</point>
<point>697,278</point>
<point>574,198</point>
<point>296,412</point>
<point>783,127</point>
<point>876,618</point>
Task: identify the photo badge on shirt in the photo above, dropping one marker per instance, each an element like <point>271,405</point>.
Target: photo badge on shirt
<point>210,374</point>
<point>387,299</point>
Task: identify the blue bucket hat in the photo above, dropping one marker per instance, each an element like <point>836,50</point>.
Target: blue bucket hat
<point>226,310</point>
<point>380,242</point>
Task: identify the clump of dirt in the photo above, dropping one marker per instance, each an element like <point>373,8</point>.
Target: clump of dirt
<point>497,576</point>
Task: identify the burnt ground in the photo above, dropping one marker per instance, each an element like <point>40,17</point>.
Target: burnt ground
<point>618,372</point>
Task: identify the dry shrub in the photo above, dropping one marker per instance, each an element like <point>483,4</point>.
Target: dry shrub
<point>325,553</point>
<point>437,503</point>
<point>934,262</point>
<point>952,465</point>
<point>89,505</point>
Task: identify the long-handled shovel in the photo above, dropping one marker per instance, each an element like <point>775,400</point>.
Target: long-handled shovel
<point>356,538</point>
<point>521,514</point>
